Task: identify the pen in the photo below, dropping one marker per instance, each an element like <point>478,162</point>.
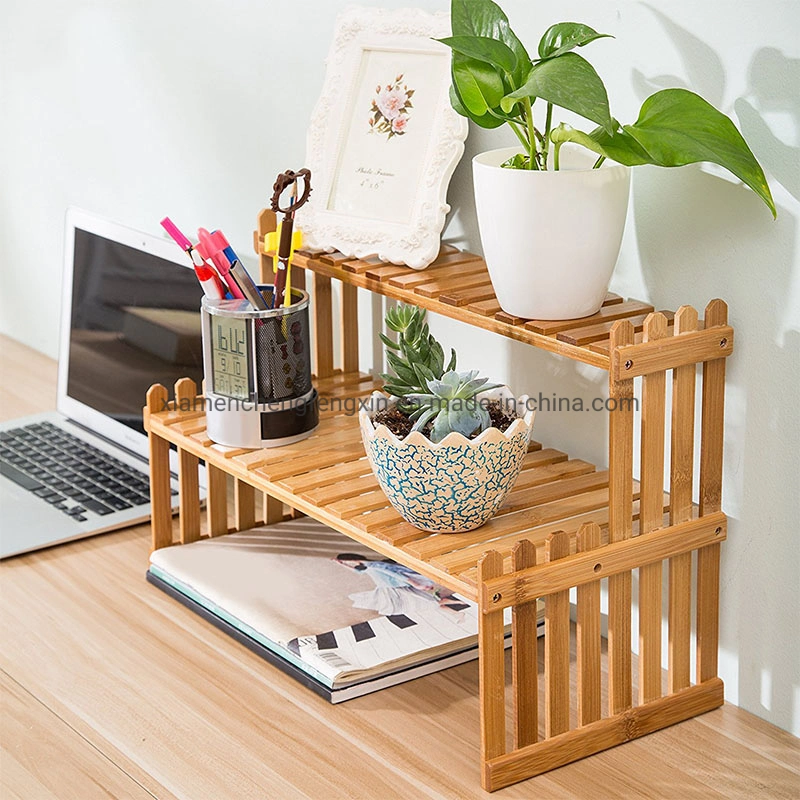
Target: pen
<point>212,248</point>
<point>209,281</point>
<point>238,273</point>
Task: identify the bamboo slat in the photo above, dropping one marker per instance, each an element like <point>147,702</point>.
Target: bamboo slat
<point>491,668</point>
<point>273,510</point>
<point>524,656</point>
<point>588,633</point>
<point>556,646</point>
<point>453,266</point>
<point>620,462</point>
<point>349,328</point>
<point>360,265</point>
<point>607,313</point>
<point>188,478</point>
<point>692,348</point>
<point>453,283</point>
<point>463,297</point>
<point>651,516</point>
<point>245,504</point>
<point>486,308</point>
<point>595,333</point>
<point>681,477</point>
<point>217,501</point>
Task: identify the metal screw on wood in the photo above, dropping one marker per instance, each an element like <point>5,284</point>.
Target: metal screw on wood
<point>628,364</point>
<point>598,567</point>
<point>723,342</point>
<point>718,531</point>
<point>496,597</point>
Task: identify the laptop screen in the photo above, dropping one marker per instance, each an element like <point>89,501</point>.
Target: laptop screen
<point>135,321</point>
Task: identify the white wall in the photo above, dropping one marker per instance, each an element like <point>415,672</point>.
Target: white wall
<point>138,109</point>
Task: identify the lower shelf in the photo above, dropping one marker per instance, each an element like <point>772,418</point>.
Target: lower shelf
<point>328,477</point>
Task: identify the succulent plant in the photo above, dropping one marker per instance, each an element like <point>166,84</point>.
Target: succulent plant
<point>415,358</point>
<point>452,404</point>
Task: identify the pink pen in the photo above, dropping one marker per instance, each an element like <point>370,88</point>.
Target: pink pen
<point>211,247</point>
<point>209,280</point>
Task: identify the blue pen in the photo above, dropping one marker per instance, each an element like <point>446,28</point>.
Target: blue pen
<point>242,277</point>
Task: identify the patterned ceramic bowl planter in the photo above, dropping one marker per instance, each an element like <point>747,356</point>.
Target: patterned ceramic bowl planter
<point>455,485</point>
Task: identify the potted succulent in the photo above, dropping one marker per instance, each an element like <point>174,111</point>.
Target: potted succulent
<point>445,446</point>
<point>551,217</point>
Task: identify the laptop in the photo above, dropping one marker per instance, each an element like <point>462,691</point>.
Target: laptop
<point>129,318</point>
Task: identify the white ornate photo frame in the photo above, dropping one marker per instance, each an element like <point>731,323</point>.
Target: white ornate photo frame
<point>384,140</point>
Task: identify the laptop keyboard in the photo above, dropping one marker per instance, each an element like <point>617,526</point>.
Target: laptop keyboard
<point>70,474</point>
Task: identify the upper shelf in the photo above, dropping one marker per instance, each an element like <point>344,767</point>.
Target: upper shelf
<point>457,285</point>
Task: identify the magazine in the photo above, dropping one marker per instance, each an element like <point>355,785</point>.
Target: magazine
<point>333,609</point>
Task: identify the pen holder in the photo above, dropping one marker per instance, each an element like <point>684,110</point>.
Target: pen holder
<point>258,372</point>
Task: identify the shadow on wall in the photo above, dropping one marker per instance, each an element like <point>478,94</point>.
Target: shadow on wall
<point>704,72</point>
<point>772,88</point>
<point>700,237</point>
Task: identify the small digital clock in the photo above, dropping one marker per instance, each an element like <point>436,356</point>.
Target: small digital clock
<point>231,358</point>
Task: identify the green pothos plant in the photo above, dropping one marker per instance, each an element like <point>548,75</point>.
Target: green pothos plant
<point>496,82</point>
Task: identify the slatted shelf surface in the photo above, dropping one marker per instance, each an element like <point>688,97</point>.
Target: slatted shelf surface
<point>328,477</point>
<point>457,285</point>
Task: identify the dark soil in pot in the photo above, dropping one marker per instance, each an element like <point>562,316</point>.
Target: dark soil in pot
<point>400,425</point>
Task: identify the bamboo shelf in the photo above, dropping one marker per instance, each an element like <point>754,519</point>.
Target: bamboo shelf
<point>566,523</point>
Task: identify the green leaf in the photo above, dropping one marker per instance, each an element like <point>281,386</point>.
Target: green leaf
<point>565,36</point>
<point>452,363</point>
<point>388,342</point>
<point>518,161</point>
<point>569,82</point>
<point>395,391</point>
<point>619,146</point>
<point>478,88</point>
<point>487,19</point>
<point>484,120</point>
<point>482,48</point>
<point>403,370</point>
<point>677,127</point>
<point>423,374</point>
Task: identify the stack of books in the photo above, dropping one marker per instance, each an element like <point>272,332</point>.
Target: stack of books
<point>335,615</point>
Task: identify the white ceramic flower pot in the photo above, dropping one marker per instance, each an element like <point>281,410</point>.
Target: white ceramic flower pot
<point>550,238</point>
<point>455,485</point>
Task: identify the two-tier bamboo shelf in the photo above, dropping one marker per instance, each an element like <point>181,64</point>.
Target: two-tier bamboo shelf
<point>565,524</point>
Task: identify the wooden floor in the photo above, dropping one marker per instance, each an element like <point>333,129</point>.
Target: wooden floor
<point>111,689</point>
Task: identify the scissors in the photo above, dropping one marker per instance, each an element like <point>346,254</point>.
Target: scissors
<point>293,181</point>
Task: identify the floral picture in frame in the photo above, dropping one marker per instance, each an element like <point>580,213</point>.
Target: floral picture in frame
<point>383,140</point>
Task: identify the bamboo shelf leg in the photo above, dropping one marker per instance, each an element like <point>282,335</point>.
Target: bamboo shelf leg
<point>160,491</point>
<point>712,437</point>
<point>323,325</point>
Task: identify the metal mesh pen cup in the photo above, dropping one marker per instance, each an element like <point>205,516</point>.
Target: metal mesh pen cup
<point>258,372</point>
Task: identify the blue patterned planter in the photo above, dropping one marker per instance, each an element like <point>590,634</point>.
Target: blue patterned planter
<point>455,485</point>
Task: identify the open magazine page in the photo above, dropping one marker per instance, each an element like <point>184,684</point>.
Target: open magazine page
<point>320,599</point>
